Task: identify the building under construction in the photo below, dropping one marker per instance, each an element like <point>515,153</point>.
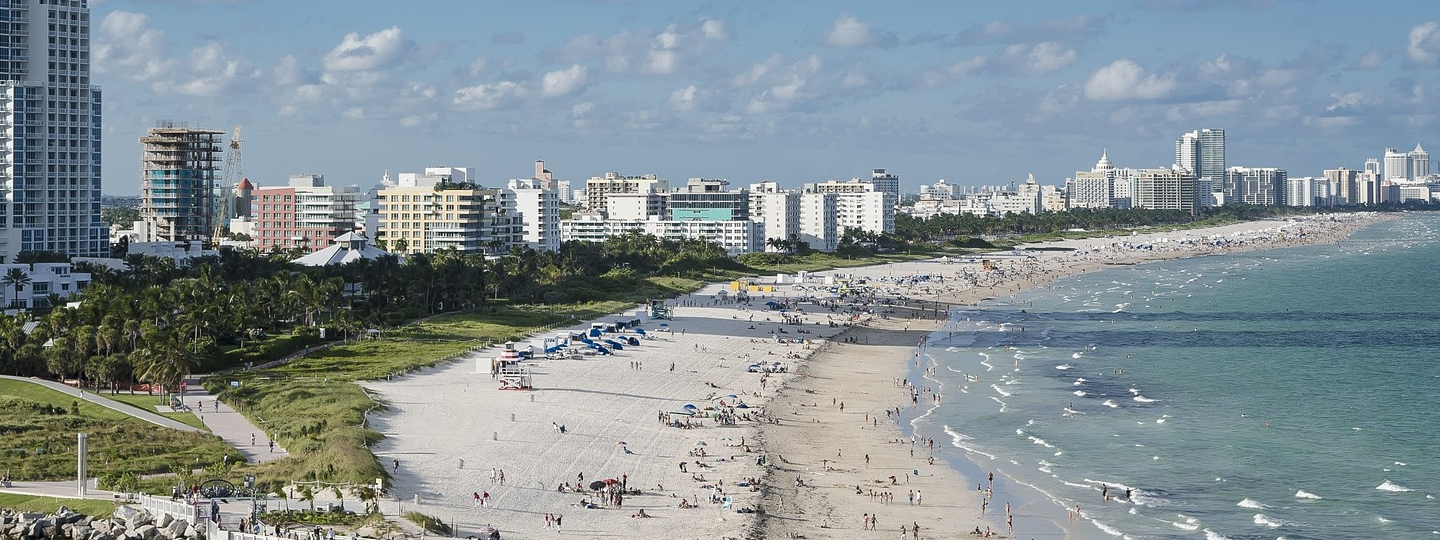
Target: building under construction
<point>177,174</point>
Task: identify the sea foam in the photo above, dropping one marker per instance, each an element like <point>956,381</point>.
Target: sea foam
<point>1302,494</point>
<point>1391,486</point>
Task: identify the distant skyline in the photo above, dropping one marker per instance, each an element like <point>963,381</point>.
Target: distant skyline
<point>976,93</point>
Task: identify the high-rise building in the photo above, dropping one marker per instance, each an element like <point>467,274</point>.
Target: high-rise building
<point>50,177</point>
<point>861,205</point>
<point>1346,188</point>
<point>177,181</point>
<point>707,200</point>
<point>886,182</point>
<point>1262,186</point>
<point>777,210</point>
<point>444,209</point>
<point>1419,163</point>
<point>1397,165</point>
<point>1165,189</point>
<point>305,213</point>
<point>597,187</point>
<point>538,208</point>
<point>1088,189</point>
<point>1202,152</point>
<point>1372,165</point>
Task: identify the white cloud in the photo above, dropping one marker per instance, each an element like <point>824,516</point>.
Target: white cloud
<point>1124,80</point>
<point>354,113</point>
<point>714,30</point>
<point>214,72</point>
<point>127,44</point>
<point>1060,99</point>
<point>849,31</point>
<point>684,99</point>
<point>1043,57</point>
<point>792,88</point>
<point>486,96</point>
<point>1424,45</point>
<point>289,72</point>
<point>934,78</point>
<point>416,120</point>
<point>663,53</point>
<point>756,72</point>
<point>374,51</point>
<point>563,82</point>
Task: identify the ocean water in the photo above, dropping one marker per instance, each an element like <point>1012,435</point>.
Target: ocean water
<point>1287,393</point>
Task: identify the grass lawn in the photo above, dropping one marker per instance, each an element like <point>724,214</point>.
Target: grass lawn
<point>38,429</point>
<point>48,505</point>
<point>147,403</point>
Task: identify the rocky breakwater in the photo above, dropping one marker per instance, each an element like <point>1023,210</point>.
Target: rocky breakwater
<point>128,523</point>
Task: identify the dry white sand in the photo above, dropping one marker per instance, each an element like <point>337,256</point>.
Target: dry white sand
<point>450,413</point>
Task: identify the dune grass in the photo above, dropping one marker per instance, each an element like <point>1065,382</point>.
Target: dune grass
<point>38,428</point>
<point>48,505</point>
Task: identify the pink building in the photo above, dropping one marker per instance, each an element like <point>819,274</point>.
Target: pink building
<point>306,214</point>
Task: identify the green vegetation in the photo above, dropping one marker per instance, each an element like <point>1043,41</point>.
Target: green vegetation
<point>429,524</point>
<point>38,441</point>
<point>49,505</point>
<point>311,517</point>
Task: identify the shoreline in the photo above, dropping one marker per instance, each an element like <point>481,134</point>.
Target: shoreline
<point>450,426</point>
<point>1030,503</point>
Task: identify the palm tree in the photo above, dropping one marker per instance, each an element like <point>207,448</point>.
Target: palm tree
<point>17,279</point>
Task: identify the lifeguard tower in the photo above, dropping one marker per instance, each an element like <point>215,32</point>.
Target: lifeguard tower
<point>512,375</point>
<point>660,312</point>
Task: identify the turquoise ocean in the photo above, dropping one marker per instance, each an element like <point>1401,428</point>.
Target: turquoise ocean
<point>1289,393</point>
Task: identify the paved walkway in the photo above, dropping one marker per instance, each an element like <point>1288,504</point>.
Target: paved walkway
<point>62,490</point>
<point>101,400</point>
<point>235,428</point>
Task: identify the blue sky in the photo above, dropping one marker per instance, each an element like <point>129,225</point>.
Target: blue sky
<point>978,93</point>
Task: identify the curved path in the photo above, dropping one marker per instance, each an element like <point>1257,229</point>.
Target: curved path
<point>108,403</point>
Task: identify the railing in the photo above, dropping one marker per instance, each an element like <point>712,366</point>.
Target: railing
<point>191,512</point>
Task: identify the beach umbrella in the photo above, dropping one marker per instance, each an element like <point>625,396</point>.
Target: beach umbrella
<point>690,406</point>
<point>611,481</point>
<point>742,406</point>
<point>596,485</point>
<point>700,443</point>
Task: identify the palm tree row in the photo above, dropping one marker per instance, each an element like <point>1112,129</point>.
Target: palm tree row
<point>155,322</point>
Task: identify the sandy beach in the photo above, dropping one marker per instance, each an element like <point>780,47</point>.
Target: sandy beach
<point>790,462</point>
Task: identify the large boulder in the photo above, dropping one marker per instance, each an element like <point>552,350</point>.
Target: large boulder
<point>139,519</point>
<point>124,513</point>
<point>79,532</point>
<point>163,520</point>
<point>177,528</point>
<point>147,532</point>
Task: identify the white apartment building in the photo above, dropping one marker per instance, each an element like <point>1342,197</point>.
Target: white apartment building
<point>50,176</point>
<point>777,211</point>
<point>538,209</point>
<point>1263,186</point>
<point>1165,189</point>
<point>444,209</point>
<point>596,188</point>
<point>818,220</point>
<point>873,212</point>
<point>736,237</point>
<point>940,190</point>
<point>44,279</point>
<point>1089,189</point>
<point>1306,191</point>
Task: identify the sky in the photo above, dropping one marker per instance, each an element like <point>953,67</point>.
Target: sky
<point>977,93</point>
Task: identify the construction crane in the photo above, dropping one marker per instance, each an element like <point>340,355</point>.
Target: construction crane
<point>234,174</point>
